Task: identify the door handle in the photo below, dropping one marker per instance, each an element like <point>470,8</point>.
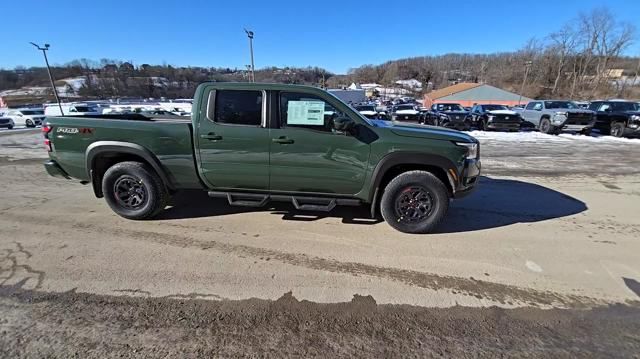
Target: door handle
<point>283,140</point>
<point>211,137</point>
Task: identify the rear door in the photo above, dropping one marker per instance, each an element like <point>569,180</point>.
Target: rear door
<point>307,154</point>
<point>233,140</point>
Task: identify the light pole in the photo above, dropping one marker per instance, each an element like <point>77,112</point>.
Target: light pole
<point>53,85</point>
<point>253,69</point>
<point>527,65</point>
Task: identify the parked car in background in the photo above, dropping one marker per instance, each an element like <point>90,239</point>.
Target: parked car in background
<point>70,109</point>
<point>554,116</point>
<point>407,113</point>
<point>617,118</point>
<point>450,115</point>
<point>28,117</point>
<point>495,117</point>
<point>6,122</point>
<point>370,111</point>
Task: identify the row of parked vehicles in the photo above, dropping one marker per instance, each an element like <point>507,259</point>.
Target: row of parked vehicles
<point>616,118</point>
<point>33,117</point>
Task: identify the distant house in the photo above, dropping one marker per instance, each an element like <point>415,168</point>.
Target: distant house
<point>412,84</point>
<point>468,94</point>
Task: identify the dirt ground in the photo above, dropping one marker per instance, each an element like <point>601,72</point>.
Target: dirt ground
<point>542,260</point>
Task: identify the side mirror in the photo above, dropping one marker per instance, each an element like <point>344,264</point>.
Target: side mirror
<point>608,109</point>
<point>343,124</point>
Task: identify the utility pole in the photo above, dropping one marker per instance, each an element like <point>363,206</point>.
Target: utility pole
<point>527,65</point>
<point>53,85</point>
<point>253,68</point>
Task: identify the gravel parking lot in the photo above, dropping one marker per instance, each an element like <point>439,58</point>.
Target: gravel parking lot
<point>541,260</point>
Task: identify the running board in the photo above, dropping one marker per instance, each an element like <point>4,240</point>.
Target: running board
<point>302,203</point>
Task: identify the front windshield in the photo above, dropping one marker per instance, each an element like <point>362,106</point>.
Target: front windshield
<point>32,112</point>
<point>365,108</point>
<point>449,107</point>
<point>560,104</point>
<point>625,106</point>
<point>494,107</point>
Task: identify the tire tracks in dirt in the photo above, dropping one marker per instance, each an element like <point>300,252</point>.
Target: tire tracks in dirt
<point>502,293</point>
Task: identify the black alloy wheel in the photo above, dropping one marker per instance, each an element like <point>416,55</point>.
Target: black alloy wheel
<point>130,192</point>
<point>414,204</point>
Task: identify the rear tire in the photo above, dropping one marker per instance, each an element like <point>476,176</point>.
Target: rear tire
<point>133,190</point>
<point>617,129</point>
<point>414,202</point>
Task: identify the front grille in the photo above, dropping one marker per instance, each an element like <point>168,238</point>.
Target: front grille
<point>579,118</point>
<point>506,118</point>
<point>4,121</point>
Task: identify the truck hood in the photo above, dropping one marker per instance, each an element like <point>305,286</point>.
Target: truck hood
<point>570,110</point>
<point>368,112</point>
<point>407,112</point>
<point>422,131</point>
<point>503,112</point>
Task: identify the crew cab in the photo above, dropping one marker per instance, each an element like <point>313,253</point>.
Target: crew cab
<point>28,117</point>
<point>450,115</point>
<point>495,117</point>
<point>617,118</point>
<point>554,116</point>
<point>252,143</point>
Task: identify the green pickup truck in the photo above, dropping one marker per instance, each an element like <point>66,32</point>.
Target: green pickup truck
<point>253,143</point>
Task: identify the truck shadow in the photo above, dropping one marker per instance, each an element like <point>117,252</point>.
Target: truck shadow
<point>495,203</point>
<point>502,202</point>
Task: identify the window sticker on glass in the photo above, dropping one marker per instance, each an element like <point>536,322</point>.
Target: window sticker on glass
<point>305,113</point>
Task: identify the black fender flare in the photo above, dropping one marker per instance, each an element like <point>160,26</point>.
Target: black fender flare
<point>411,158</point>
<point>101,147</point>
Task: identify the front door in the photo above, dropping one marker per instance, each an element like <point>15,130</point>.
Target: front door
<point>308,155</point>
<point>233,140</point>
<point>531,112</point>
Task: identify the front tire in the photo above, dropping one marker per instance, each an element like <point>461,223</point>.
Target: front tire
<point>617,129</point>
<point>28,123</point>
<point>414,202</point>
<point>133,190</point>
<point>546,127</point>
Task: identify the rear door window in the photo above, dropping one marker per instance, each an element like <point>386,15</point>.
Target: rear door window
<point>238,107</point>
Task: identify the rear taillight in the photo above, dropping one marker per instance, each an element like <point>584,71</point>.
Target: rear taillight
<point>47,145</point>
<point>46,128</point>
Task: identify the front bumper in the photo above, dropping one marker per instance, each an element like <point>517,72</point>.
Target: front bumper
<point>468,178</point>
<point>54,169</point>
<point>510,126</point>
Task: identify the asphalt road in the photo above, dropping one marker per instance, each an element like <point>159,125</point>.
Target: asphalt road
<point>542,256</point>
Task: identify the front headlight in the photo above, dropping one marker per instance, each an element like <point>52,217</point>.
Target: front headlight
<point>490,118</point>
<point>472,149</point>
<point>635,118</point>
<point>559,117</point>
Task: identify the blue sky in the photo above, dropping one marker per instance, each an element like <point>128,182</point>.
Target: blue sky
<point>336,35</point>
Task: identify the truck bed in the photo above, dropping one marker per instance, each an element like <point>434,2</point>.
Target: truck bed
<point>169,139</point>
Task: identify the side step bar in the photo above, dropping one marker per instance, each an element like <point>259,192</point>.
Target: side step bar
<point>302,203</point>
